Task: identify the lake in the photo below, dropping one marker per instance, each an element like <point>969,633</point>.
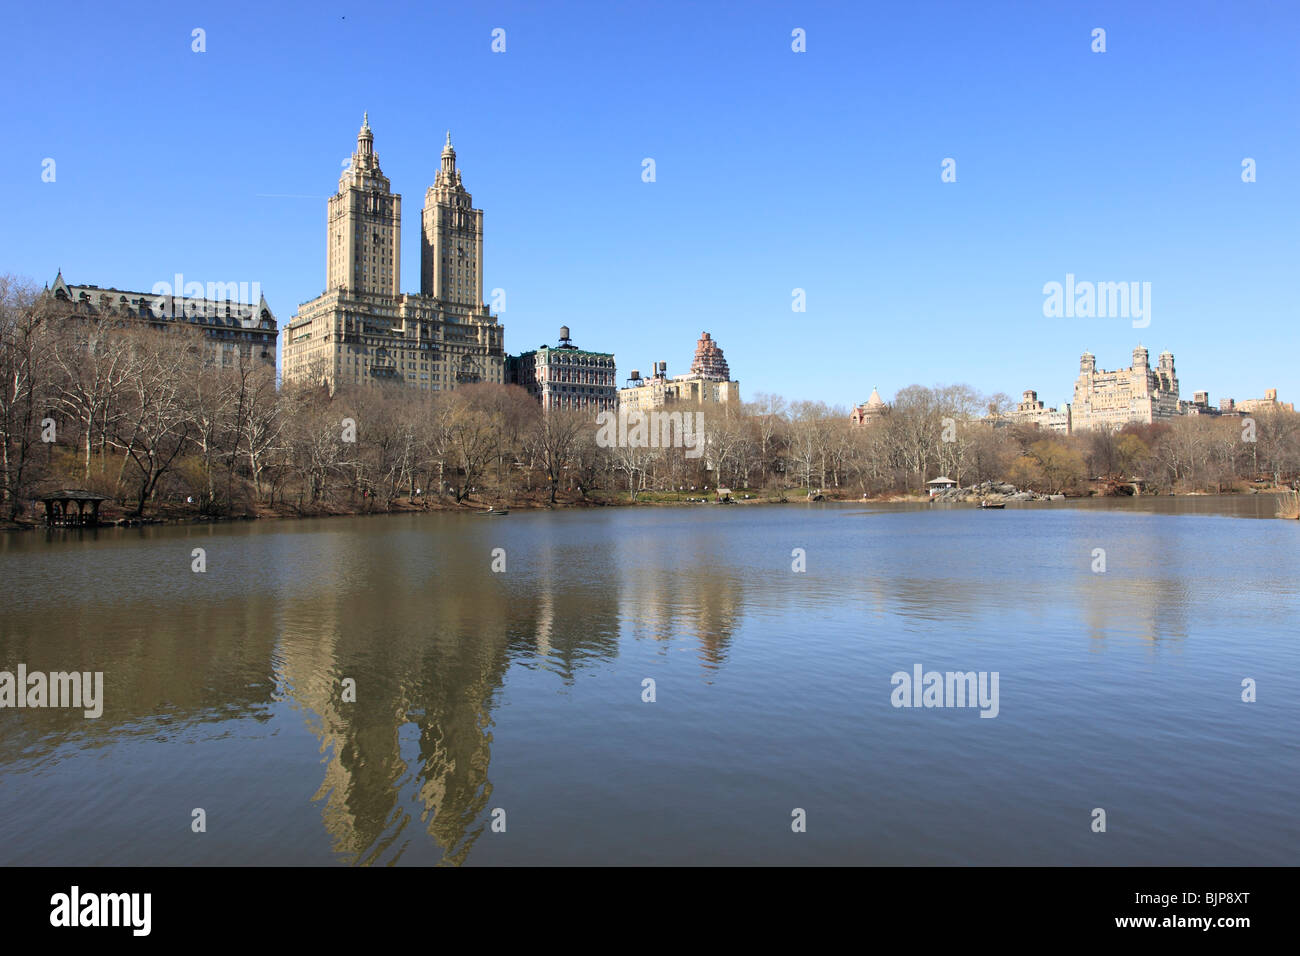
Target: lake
<point>371,691</point>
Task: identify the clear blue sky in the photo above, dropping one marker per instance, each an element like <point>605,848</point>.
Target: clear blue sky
<point>775,170</point>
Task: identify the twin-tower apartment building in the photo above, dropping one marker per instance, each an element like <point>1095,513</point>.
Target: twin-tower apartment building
<point>363,329</point>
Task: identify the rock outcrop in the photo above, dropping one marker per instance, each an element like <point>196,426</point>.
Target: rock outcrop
<point>994,492</point>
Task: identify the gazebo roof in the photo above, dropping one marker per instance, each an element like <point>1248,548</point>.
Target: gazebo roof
<point>73,494</point>
<point>941,480</point>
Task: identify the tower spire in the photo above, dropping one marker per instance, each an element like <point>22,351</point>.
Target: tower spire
<point>365,219</point>
<point>365,140</point>
<point>451,238</point>
<point>448,168</point>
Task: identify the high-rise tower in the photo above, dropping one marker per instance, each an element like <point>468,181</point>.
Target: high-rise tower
<point>363,330</point>
<point>451,244</point>
<point>709,362</point>
<point>365,225</point>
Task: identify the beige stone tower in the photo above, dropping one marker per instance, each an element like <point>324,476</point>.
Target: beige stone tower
<point>365,225</point>
<point>363,330</point>
<point>451,245</point>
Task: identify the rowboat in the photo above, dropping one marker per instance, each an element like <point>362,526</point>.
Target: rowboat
<point>985,506</point>
<point>494,511</point>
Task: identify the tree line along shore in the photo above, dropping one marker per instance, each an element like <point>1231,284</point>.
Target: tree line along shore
<point>136,415</point>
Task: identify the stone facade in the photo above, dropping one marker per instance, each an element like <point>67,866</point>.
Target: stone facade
<point>657,391</point>
<point>1199,405</point>
<point>363,330</point>
<point>1031,411</point>
<point>872,410</point>
<point>451,242</point>
<point>1269,403</point>
<point>365,226</point>
<point>566,376</point>
<point>234,333</point>
<point>1139,393</point>
<point>708,382</point>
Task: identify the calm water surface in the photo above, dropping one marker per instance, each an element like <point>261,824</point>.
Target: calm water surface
<point>523,690</point>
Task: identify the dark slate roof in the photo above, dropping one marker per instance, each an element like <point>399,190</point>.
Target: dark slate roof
<point>73,495</point>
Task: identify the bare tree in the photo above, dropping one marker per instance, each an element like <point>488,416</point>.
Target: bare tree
<point>24,386</point>
<point>211,397</point>
<point>553,439</point>
<point>261,423</point>
<point>915,428</point>
<point>473,430</point>
<point>93,369</point>
<point>155,423</point>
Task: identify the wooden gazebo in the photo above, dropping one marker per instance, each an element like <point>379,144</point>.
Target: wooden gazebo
<point>72,508</point>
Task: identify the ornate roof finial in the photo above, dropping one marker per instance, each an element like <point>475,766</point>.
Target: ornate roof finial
<point>365,119</point>
<point>449,139</point>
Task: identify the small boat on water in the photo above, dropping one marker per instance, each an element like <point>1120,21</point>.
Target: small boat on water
<point>494,511</point>
<point>988,506</point>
